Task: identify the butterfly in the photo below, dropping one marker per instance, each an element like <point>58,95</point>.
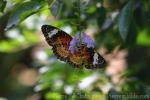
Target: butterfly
<point>60,41</point>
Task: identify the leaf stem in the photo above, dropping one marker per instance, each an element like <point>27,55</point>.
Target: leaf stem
<point>79,27</point>
<point>79,19</point>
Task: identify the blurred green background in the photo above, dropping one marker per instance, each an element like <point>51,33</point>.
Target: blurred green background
<point>30,71</point>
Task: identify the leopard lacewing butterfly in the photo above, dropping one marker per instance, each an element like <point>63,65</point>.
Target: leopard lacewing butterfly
<point>60,41</point>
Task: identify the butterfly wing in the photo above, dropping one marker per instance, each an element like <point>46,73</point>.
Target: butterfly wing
<point>60,41</point>
<point>91,59</point>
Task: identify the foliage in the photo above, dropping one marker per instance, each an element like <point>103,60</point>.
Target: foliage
<point>120,29</point>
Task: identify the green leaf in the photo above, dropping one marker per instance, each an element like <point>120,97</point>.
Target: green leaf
<point>101,15</point>
<point>125,19</point>
<point>2,5</point>
<point>22,12</point>
<point>10,46</point>
<point>143,38</point>
<point>56,7</point>
<point>131,38</point>
<point>53,96</point>
<point>3,23</point>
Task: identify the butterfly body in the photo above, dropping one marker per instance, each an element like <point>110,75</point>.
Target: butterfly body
<point>60,41</point>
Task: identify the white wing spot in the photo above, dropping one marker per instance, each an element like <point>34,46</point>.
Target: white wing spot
<point>53,32</point>
<point>95,57</point>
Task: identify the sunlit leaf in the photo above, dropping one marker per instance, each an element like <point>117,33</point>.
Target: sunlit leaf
<point>125,19</point>
<point>18,43</point>
<point>143,38</point>
<point>30,37</point>
<point>97,96</point>
<point>91,9</point>
<point>10,46</point>
<point>53,96</point>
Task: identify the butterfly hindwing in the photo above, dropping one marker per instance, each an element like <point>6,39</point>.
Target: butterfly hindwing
<point>60,41</point>
<point>92,59</point>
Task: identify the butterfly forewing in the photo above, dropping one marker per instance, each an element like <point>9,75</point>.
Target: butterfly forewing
<point>58,39</point>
